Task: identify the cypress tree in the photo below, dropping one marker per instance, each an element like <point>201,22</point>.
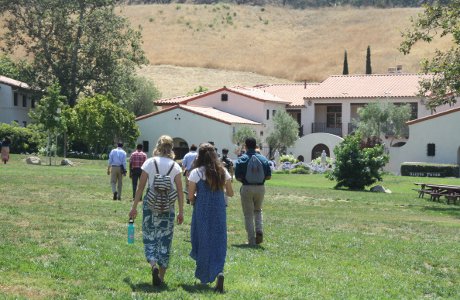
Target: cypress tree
<point>345,64</point>
<point>368,61</point>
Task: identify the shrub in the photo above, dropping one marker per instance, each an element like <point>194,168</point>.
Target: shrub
<point>23,139</point>
<point>429,170</point>
<point>300,169</point>
<point>288,158</point>
<point>356,167</point>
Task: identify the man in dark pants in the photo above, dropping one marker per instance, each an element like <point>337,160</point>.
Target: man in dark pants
<point>136,161</point>
<point>252,194</point>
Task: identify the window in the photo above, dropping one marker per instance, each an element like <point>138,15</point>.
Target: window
<point>15,99</point>
<point>430,149</point>
<point>145,145</point>
<point>268,114</point>
<point>24,101</point>
<point>224,97</point>
<point>24,123</point>
<point>334,116</point>
<point>273,112</point>
<point>261,133</point>
<point>32,102</point>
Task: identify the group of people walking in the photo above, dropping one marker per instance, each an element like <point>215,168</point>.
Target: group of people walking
<point>208,182</point>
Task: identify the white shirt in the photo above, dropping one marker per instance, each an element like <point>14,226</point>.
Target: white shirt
<point>199,173</point>
<point>164,163</point>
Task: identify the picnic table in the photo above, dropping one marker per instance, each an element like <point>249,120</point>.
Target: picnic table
<point>436,191</point>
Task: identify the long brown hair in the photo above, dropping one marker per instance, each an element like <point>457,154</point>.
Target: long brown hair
<point>214,170</point>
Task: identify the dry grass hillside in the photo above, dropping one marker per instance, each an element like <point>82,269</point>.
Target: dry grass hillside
<point>191,45</point>
<point>272,41</point>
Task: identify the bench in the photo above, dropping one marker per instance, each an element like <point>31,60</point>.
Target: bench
<point>452,197</point>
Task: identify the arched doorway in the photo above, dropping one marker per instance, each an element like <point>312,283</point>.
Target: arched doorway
<point>180,148</point>
<point>318,149</point>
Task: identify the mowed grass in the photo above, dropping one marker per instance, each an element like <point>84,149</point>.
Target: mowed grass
<point>61,236</point>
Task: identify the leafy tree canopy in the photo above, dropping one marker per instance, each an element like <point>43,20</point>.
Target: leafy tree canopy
<point>439,19</point>
<point>285,133</point>
<point>99,123</point>
<point>244,132</point>
<point>81,44</point>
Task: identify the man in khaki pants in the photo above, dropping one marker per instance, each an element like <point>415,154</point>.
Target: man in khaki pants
<point>117,168</point>
<point>252,192</point>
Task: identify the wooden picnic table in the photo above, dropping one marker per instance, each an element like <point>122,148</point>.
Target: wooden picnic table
<point>451,192</point>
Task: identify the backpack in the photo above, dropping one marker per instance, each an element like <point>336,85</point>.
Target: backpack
<point>255,173</point>
<point>161,195</point>
<point>228,162</point>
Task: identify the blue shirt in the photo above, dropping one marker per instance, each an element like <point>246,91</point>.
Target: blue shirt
<point>242,164</point>
<point>188,160</point>
<point>117,157</point>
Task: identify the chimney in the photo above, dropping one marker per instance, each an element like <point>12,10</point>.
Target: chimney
<point>304,84</point>
<point>392,70</point>
<point>399,68</point>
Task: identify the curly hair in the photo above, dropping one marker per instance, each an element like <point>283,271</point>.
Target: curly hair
<point>214,170</point>
<point>164,147</point>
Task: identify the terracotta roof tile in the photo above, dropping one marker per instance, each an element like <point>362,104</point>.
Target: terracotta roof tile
<point>456,109</point>
<point>292,92</point>
<point>208,112</point>
<point>368,86</point>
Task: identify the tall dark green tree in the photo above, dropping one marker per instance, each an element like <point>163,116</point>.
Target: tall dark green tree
<point>83,44</point>
<point>345,64</point>
<point>368,61</point>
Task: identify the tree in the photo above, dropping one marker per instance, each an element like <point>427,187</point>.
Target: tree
<point>47,114</point>
<point>99,123</point>
<point>377,119</point>
<point>285,132</point>
<point>439,19</point>
<point>139,96</point>
<point>356,167</point>
<point>368,61</point>
<point>345,64</point>
<point>81,44</point>
<point>244,132</point>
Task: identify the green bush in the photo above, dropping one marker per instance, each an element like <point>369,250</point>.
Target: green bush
<point>429,170</point>
<point>300,169</point>
<point>288,158</point>
<point>23,139</point>
<point>356,167</point>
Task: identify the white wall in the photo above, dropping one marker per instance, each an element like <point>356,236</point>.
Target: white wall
<point>443,131</point>
<point>192,128</point>
<point>305,144</point>
<point>9,112</point>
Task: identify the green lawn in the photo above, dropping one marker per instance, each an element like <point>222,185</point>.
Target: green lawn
<point>61,236</point>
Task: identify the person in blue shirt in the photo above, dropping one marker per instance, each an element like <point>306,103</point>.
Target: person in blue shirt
<point>252,194</point>
<point>117,169</point>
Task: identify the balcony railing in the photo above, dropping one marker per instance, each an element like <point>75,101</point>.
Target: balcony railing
<point>322,127</point>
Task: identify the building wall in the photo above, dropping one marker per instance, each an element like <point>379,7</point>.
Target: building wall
<point>441,131</point>
<point>192,128</point>
<point>305,144</point>
<point>9,112</point>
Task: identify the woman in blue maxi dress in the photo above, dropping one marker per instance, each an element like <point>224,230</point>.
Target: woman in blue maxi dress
<point>208,182</point>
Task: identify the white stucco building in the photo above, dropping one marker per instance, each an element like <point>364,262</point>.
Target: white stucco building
<point>16,101</point>
<point>324,112</point>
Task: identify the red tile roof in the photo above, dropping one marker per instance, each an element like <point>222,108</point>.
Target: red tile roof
<point>422,119</point>
<point>292,92</point>
<point>250,92</point>
<point>13,82</point>
<point>368,86</point>
<point>207,112</point>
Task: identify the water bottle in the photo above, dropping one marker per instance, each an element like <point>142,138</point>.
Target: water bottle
<point>131,231</point>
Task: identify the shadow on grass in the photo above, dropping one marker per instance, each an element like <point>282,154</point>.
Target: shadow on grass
<point>453,210</point>
<point>246,246</point>
<point>198,288</point>
<point>145,287</point>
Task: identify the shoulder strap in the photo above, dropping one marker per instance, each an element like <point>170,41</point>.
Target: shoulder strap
<point>156,166</point>
<point>170,169</point>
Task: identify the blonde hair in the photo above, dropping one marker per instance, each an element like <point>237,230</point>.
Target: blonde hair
<point>164,147</point>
